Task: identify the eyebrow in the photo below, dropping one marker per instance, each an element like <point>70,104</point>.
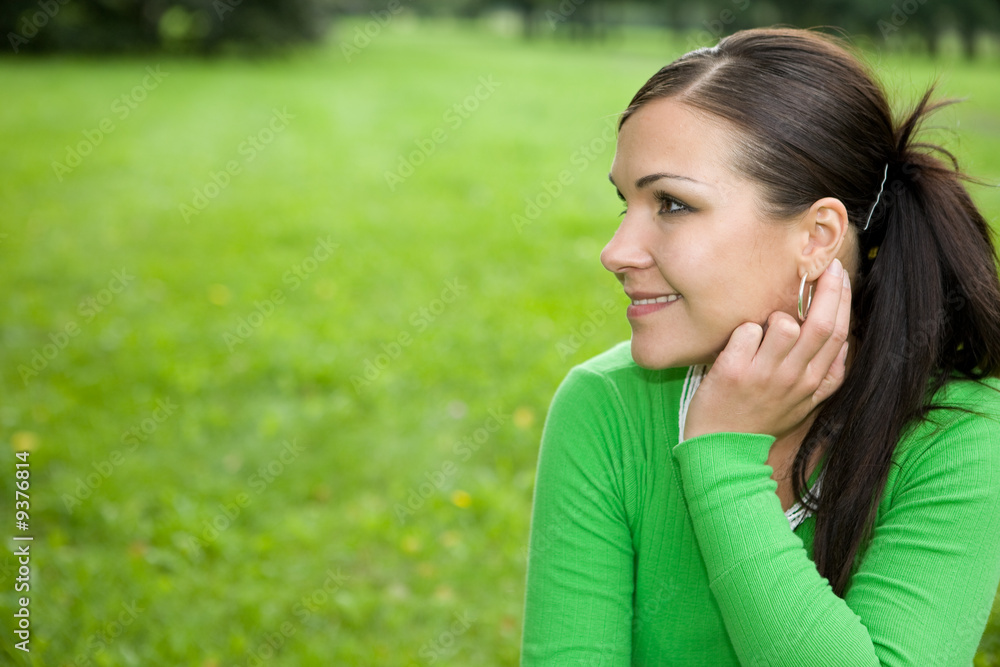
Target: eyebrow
<point>651,178</point>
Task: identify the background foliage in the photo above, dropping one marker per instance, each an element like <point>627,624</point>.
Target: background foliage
<point>249,26</point>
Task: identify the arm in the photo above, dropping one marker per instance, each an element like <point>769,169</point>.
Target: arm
<point>578,599</point>
<point>923,591</point>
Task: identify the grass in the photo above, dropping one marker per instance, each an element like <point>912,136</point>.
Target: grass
<point>298,421</point>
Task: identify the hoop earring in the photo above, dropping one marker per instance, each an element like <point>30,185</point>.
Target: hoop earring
<point>802,287</point>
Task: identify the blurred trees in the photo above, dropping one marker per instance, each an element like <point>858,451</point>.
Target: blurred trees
<point>211,26</point>
<point>203,26</point>
<point>910,22</point>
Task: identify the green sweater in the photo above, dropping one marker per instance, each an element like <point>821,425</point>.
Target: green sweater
<point>643,551</point>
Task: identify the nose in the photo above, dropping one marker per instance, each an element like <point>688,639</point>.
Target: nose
<point>626,249</point>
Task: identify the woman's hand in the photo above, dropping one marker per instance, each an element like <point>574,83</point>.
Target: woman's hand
<point>771,383</point>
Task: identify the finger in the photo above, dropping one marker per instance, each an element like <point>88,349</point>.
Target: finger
<point>829,353</point>
<point>821,321</point>
<point>741,348</point>
<point>779,339</point>
<point>834,378</point>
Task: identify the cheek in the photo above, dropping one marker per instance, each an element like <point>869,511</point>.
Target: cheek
<point>732,291</point>
<point>724,273</point>
<point>752,273</point>
<point>686,261</point>
<point>755,294</point>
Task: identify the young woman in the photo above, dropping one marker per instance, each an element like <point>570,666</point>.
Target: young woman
<point>796,460</point>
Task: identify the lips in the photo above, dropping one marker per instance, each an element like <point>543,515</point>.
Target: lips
<point>646,303</point>
<point>659,299</point>
<point>640,297</point>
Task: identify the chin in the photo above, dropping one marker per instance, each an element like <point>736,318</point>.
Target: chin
<point>653,356</point>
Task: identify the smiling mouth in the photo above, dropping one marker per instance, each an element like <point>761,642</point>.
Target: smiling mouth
<point>660,299</point>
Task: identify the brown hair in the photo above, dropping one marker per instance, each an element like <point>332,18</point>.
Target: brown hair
<point>812,122</point>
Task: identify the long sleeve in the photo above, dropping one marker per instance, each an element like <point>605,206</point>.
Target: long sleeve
<point>578,599</point>
<point>924,588</point>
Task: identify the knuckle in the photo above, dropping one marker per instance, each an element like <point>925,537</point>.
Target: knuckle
<point>839,334</point>
<point>726,368</point>
<point>825,328</point>
<point>782,316</point>
<point>813,377</point>
<point>726,374</point>
<point>787,381</point>
<point>745,334</point>
<point>786,327</point>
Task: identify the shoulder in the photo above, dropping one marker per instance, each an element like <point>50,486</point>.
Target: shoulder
<point>615,370</point>
<point>615,359</point>
<point>609,419</point>
<point>960,436</point>
<point>963,392</point>
<point>963,404</point>
<point>612,393</point>
<point>593,383</point>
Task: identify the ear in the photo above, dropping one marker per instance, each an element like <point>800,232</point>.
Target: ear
<point>823,229</point>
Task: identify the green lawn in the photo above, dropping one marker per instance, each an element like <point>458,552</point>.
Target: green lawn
<point>279,336</point>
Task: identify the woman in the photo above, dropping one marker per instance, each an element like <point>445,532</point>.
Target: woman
<point>796,460</point>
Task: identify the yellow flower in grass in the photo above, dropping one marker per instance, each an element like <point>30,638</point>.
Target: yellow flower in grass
<point>524,417</point>
<point>461,498</point>
<point>24,441</point>
<point>219,295</point>
<point>411,544</point>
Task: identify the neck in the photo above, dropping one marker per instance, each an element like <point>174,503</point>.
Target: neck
<point>786,445</point>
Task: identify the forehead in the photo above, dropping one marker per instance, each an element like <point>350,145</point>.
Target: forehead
<point>668,135</point>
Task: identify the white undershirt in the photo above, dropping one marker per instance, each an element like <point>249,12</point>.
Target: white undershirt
<point>797,513</point>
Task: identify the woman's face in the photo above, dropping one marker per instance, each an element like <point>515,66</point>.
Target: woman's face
<point>692,240</point>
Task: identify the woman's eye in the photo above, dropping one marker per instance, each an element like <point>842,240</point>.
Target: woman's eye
<point>670,205</point>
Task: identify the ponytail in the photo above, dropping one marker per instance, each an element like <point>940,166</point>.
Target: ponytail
<point>927,304</point>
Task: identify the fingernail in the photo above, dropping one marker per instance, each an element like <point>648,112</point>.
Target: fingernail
<point>847,280</point>
<point>836,268</point>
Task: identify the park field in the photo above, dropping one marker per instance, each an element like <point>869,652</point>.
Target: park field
<point>279,335</point>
